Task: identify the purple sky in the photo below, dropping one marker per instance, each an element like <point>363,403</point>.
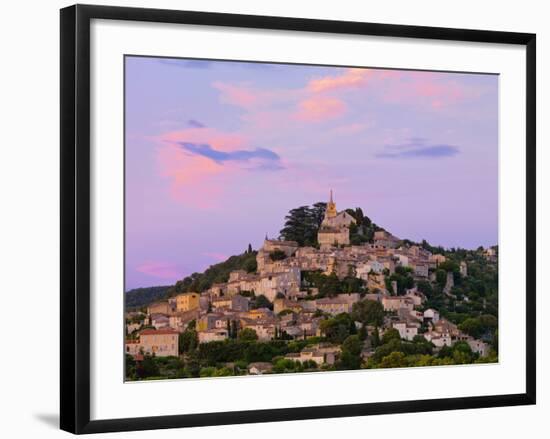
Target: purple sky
<point>218,152</point>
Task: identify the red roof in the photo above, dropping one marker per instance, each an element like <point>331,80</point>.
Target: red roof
<point>158,332</point>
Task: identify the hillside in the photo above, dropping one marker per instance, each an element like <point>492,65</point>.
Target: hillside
<point>199,282</point>
<point>139,297</point>
<point>216,273</point>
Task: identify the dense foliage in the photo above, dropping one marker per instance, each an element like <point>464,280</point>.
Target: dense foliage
<point>217,273</point>
<point>363,229</point>
<point>302,224</point>
<point>330,285</point>
<point>140,297</point>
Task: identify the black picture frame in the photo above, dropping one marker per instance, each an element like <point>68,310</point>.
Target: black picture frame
<point>75,217</point>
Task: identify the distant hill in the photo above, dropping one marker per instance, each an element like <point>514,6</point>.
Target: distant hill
<point>139,297</point>
<point>198,282</point>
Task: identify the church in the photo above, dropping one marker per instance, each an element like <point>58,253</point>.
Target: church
<point>334,230</point>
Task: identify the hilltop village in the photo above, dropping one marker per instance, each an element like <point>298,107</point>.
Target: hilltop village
<point>347,301</point>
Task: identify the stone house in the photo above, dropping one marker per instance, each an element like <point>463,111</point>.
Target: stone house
<point>163,307</point>
<point>212,335</point>
<point>236,303</point>
<point>178,321</point>
<point>406,330</point>
<point>265,329</point>
<point>431,315</point>
<point>161,342</point>
<point>131,327</point>
<point>208,321</point>
<point>394,303</point>
<point>333,305</point>
<point>160,321</point>
<point>281,304</point>
<point>132,346</point>
<point>259,368</point>
<point>187,301</point>
<point>439,340</point>
<point>478,346</point>
<point>385,239</point>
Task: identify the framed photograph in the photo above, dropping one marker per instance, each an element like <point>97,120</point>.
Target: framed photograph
<point>274,218</point>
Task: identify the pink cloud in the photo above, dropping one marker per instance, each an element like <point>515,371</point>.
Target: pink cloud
<point>220,140</point>
<point>247,97</point>
<point>428,89</point>
<point>190,178</point>
<point>161,270</point>
<point>318,109</point>
<point>195,179</point>
<point>351,78</point>
<point>241,96</point>
<point>200,164</point>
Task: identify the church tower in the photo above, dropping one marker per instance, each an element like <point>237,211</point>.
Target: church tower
<point>334,230</point>
<point>331,208</point>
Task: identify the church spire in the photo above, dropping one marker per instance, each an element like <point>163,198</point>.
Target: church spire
<point>331,207</point>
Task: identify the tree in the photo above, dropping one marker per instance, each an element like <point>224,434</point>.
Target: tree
<point>130,367</point>
<point>395,359</point>
<point>188,340</point>
<point>299,227</point>
<point>318,213</point>
<point>192,365</point>
<point>462,353</point>
<point>441,277</point>
<point>262,302</point>
<point>425,287</point>
<point>331,286</point>
<point>362,333</point>
<point>250,265</point>
<point>234,328</point>
<point>277,255</point>
<point>248,334</point>
<point>375,338</point>
<point>249,250</point>
<point>449,266</point>
<point>302,224</point>
<point>368,312</point>
<point>403,278</point>
<point>389,335</point>
<point>353,284</point>
<point>147,367</point>
<point>471,326</point>
<point>351,353</point>
<point>338,328</point>
<point>478,326</point>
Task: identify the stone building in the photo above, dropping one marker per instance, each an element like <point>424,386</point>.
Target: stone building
<point>236,303</point>
<point>187,302</point>
<point>163,307</point>
<point>334,230</point>
<point>162,342</point>
<point>264,260</point>
<point>385,239</point>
